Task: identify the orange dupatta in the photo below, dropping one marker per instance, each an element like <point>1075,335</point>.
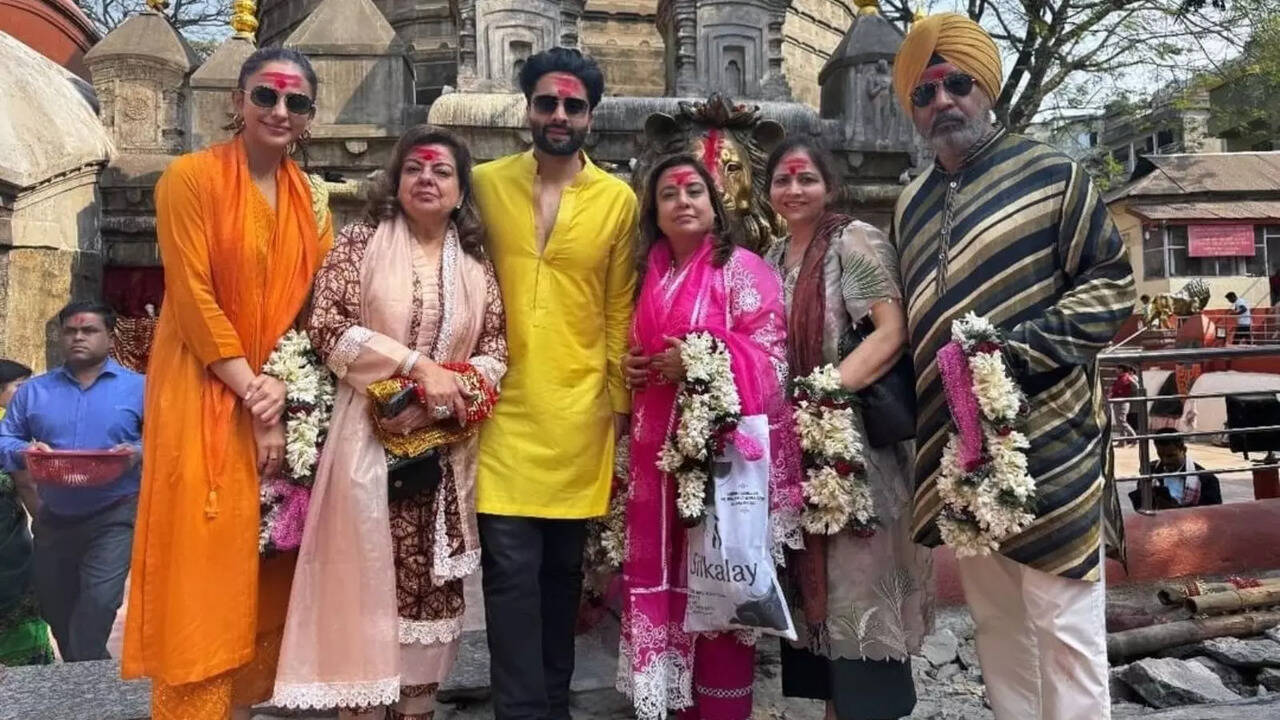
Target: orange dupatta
<point>236,277</point>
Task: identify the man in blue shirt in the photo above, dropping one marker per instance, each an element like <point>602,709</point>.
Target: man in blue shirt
<point>83,536</point>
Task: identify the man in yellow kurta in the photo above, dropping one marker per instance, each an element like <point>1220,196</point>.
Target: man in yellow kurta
<point>560,232</point>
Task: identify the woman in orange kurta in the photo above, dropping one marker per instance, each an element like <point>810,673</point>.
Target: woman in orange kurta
<point>241,243</point>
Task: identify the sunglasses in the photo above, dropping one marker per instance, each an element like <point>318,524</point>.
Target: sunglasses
<point>956,84</point>
<point>266,98</point>
<point>547,104</point>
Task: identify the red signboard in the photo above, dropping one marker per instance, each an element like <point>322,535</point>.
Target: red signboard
<point>1220,241</point>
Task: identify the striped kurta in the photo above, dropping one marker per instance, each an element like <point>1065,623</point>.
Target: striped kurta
<point>1020,236</point>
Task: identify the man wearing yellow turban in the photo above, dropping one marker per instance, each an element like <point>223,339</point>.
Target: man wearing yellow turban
<point>1013,231</point>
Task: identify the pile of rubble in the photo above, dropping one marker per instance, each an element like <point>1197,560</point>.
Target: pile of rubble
<point>1213,671</point>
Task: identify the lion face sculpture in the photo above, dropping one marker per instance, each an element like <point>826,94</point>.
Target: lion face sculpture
<point>733,144</point>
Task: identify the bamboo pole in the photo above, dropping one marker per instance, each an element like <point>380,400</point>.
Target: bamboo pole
<point>1224,602</point>
<point>1144,641</point>
<point>1178,594</point>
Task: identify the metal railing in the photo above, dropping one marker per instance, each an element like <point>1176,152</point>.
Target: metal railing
<point>1125,355</point>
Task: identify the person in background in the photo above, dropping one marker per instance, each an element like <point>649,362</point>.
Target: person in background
<point>1124,386</point>
<point>1244,319</point>
<point>1144,306</point>
<point>24,636</point>
<point>1178,491</point>
<point>560,232</point>
<point>83,535</point>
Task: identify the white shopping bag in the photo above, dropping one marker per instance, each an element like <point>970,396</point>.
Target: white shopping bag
<point>731,578</point>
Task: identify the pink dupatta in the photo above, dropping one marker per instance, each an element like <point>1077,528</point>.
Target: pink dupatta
<point>342,639</point>
<point>742,304</point>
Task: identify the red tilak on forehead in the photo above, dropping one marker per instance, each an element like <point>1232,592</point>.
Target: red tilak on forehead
<point>711,152</point>
<point>796,165</point>
<point>933,73</point>
<point>569,86</point>
<point>426,154</point>
<point>683,176</point>
<point>282,80</point>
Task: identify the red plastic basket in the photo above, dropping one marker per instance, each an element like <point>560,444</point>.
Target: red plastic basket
<point>76,468</point>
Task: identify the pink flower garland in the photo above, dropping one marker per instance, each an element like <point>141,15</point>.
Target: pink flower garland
<point>957,383</point>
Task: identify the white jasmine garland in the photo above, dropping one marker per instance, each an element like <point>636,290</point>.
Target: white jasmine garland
<point>309,396</point>
<point>708,407</point>
<point>310,391</point>
<point>984,505</point>
<point>836,492</point>
<point>607,536</point>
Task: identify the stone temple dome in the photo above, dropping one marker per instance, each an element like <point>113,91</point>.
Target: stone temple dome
<point>50,125</point>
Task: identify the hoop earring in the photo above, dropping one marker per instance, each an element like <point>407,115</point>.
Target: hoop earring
<point>236,126</point>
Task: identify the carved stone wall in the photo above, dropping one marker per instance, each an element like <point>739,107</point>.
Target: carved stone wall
<point>811,31</point>
<point>429,27</point>
<point>52,147</point>
<point>728,46</point>
<point>498,35</point>
<point>143,106</point>
<point>622,36</point>
<point>139,74</point>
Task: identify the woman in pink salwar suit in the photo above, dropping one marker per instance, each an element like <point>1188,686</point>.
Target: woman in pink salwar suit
<point>694,279</point>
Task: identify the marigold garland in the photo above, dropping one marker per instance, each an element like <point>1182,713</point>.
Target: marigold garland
<point>836,492</point>
<point>987,493</point>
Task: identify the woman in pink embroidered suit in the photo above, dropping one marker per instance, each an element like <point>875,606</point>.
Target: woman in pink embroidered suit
<point>376,607</point>
<point>694,279</point>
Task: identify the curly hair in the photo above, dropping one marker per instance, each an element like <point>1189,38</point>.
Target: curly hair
<point>650,233</point>
<point>384,202</point>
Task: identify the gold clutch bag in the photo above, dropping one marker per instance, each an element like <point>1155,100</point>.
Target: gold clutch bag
<point>479,408</point>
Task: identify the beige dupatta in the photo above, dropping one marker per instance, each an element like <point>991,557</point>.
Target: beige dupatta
<point>342,638</point>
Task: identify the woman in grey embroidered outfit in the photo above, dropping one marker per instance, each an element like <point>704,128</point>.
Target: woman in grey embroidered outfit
<point>866,599</point>
<point>376,607</point>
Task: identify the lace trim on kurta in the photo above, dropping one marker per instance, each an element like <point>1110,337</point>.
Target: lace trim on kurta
<point>321,696</point>
<point>665,684</point>
<point>347,348</point>
<point>448,273</point>
<point>430,632</point>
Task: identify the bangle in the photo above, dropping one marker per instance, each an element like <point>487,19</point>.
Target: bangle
<point>406,366</point>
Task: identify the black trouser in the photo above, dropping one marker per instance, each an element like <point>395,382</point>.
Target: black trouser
<point>80,568</point>
<point>532,583</point>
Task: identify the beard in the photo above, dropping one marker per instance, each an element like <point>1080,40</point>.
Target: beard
<point>567,146</point>
<point>957,133</point>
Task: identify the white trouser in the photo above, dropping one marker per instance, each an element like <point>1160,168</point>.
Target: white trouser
<point>1042,641</point>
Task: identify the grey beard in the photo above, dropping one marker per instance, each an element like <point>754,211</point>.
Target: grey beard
<point>960,140</point>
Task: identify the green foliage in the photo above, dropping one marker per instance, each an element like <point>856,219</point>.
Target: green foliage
<point>1108,173</point>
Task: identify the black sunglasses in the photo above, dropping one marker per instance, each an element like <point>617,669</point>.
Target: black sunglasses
<point>266,98</point>
<point>957,84</point>
<point>547,104</point>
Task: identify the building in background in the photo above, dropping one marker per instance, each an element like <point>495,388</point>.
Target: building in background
<point>764,49</point>
<point>1214,216</point>
<point>54,28</point>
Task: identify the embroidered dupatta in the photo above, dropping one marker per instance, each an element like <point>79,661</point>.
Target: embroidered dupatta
<point>740,303</point>
<point>343,634</point>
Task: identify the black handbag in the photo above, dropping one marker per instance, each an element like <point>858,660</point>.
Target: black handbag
<point>888,404</point>
<point>408,478</point>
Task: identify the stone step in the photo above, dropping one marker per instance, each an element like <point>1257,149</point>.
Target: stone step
<point>94,690</point>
